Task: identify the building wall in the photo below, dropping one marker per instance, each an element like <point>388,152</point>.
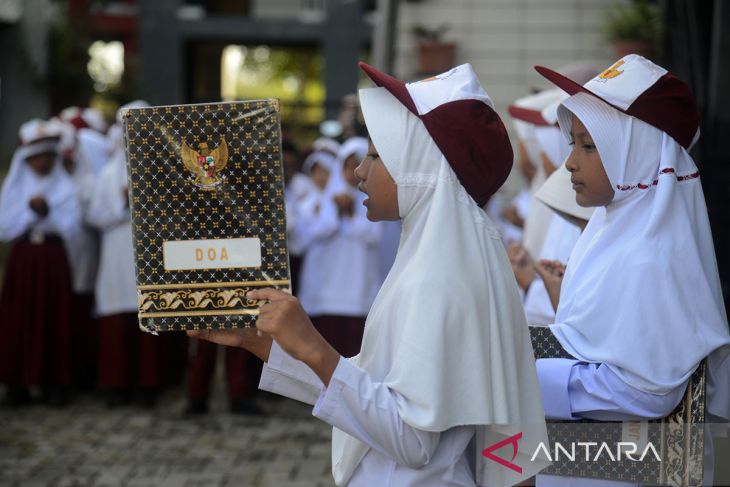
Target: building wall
<point>23,58</point>
<point>503,39</point>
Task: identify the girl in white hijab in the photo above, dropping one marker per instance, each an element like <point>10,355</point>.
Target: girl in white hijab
<point>446,376</point>
<point>561,234</point>
<point>83,253</point>
<point>538,216</point>
<point>340,273</point>
<point>128,358</point>
<point>303,210</point>
<point>39,212</point>
<point>640,304</point>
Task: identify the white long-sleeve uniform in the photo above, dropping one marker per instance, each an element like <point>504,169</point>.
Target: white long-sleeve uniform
<point>400,455</point>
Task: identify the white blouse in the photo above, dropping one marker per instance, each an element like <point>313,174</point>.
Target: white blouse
<point>400,455</point>
<point>116,289</point>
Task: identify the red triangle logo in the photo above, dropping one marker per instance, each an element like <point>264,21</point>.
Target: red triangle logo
<point>487,452</point>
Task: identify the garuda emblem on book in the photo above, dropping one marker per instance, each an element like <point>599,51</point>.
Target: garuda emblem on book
<point>205,163</point>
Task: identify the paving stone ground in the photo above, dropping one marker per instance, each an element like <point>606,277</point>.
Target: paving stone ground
<point>90,444</point>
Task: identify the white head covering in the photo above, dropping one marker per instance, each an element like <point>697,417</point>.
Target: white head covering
<point>22,184</point>
<point>326,144</point>
<point>557,192</point>
<point>539,216</point>
<point>446,331</point>
<point>94,119</point>
<point>84,117</point>
<point>354,146</point>
<point>92,150</point>
<point>553,144</point>
<point>323,158</point>
<point>642,293</point>
<point>115,138</point>
<point>526,135</point>
<point>307,205</point>
<point>132,104</point>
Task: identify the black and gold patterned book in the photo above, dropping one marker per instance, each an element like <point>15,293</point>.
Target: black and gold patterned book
<point>207,200</point>
<point>667,451</point>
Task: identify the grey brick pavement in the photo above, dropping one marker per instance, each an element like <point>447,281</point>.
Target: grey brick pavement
<point>89,444</point>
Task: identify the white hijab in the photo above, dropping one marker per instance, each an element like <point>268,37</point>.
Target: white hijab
<point>446,331</point>
<point>354,146</point>
<point>642,292</point>
<point>22,184</point>
<point>323,158</point>
<point>553,144</point>
<point>92,150</point>
<point>538,219</point>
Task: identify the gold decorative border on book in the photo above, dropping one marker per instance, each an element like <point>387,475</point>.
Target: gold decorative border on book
<point>250,312</point>
<point>196,300</point>
<point>281,282</point>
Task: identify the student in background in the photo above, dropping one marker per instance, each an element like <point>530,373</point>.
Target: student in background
<point>83,253</point>
<point>39,212</point>
<point>296,188</point>
<point>306,225</point>
<point>130,361</point>
<point>511,215</point>
<point>561,234</point>
<point>538,216</point>
<point>340,274</point>
<point>570,219</point>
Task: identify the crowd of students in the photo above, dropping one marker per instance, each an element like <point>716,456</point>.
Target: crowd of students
<point>69,300</point>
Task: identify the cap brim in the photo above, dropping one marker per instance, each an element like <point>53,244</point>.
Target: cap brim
<point>569,86</point>
<point>527,115</point>
<point>395,86</point>
<point>564,83</point>
<point>557,193</point>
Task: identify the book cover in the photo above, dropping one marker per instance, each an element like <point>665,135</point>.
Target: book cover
<point>206,195</point>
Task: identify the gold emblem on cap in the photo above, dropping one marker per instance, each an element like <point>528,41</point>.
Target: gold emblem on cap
<point>613,71</point>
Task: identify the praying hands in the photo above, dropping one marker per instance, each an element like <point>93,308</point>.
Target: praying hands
<point>551,272</point>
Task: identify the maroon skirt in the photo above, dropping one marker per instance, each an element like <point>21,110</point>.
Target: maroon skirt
<point>243,372</point>
<point>35,315</point>
<point>128,357</point>
<point>344,333</point>
<point>84,337</point>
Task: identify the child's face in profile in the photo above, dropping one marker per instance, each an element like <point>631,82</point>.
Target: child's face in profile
<point>42,164</point>
<point>376,182</point>
<point>320,176</point>
<point>590,182</point>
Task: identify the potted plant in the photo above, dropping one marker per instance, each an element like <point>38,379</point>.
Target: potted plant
<point>434,55</point>
<point>634,28</point>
